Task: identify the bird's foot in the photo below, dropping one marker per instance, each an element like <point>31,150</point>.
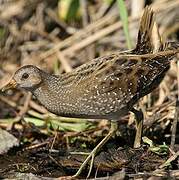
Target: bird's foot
<point>91,156</point>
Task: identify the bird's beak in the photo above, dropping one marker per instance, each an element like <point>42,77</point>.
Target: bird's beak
<point>12,84</point>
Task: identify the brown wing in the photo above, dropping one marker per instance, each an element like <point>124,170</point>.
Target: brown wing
<point>111,85</point>
<point>126,77</point>
<point>118,79</point>
<point>107,86</point>
<point>83,72</point>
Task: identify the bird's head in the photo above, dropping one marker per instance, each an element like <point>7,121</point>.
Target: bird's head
<point>28,77</point>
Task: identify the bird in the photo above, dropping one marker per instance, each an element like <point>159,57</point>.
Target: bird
<point>107,87</point>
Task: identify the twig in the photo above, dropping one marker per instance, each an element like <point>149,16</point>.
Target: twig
<point>84,12</point>
<point>34,146</point>
<point>169,160</point>
<point>7,101</point>
<point>57,163</point>
<point>136,7</point>
<point>64,61</point>
<point>54,139</point>
<point>174,126</point>
<point>25,107</point>
<point>103,11</point>
<point>37,107</point>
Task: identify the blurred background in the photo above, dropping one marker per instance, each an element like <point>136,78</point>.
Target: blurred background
<point>58,36</point>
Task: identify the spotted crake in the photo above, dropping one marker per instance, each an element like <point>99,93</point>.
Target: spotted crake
<point>106,87</point>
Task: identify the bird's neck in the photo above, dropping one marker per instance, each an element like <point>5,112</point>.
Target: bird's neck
<point>46,92</point>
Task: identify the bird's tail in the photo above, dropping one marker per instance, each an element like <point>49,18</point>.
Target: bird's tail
<point>144,40</point>
<point>149,40</point>
<point>165,54</point>
<point>171,46</point>
<point>167,51</point>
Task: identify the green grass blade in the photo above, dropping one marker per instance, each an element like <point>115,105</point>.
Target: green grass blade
<point>2,33</point>
<point>37,122</point>
<point>68,9</point>
<point>124,18</point>
<point>76,127</point>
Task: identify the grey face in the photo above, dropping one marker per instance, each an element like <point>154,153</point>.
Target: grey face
<point>27,77</point>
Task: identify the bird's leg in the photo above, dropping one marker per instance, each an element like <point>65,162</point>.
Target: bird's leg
<point>139,126</point>
<point>96,149</point>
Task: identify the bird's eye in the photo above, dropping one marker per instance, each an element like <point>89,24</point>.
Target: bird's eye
<point>25,76</point>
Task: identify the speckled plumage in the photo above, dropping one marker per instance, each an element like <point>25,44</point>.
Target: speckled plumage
<point>106,87</point>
